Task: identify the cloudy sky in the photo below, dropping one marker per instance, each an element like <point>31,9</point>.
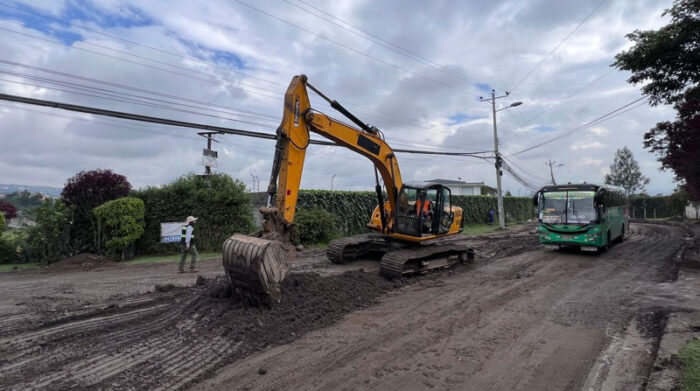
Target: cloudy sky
<point>414,69</point>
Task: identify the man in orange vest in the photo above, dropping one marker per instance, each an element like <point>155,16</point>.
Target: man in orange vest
<point>425,205</point>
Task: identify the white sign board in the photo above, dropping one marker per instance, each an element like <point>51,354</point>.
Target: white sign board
<point>171,232</point>
<point>209,157</point>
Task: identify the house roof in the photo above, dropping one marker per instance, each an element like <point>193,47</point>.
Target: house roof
<point>453,182</point>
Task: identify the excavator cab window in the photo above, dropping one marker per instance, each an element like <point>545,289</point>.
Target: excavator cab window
<point>423,211</point>
<point>445,207</point>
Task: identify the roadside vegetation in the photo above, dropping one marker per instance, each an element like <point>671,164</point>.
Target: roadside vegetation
<point>690,361</point>
<point>144,259</point>
<point>481,229</point>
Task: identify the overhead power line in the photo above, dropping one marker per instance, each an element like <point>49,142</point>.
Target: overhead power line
<point>252,91</point>
<point>130,88</point>
<point>193,125</point>
<point>558,46</point>
<point>377,40</point>
<point>602,118</point>
<point>513,173</point>
<point>348,47</point>
<point>207,80</point>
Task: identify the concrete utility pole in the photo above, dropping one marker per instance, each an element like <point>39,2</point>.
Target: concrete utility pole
<point>551,164</point>
<point>499,160</point>
<point>332,179</point>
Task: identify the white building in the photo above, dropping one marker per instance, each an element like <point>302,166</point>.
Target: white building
<point>465,188</point>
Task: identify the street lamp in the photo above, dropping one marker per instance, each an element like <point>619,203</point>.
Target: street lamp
<point>501,219</point>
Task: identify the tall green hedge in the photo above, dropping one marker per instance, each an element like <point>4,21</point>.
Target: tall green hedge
<point>476,208</point>
<point>352,209</point>
<point>120,223</point>
<point>220,203</point>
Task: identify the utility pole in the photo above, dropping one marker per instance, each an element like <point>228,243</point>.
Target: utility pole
<point>499,160</point>
<point>551,164</point>
<point>332,178</point>
<point>256,183</point>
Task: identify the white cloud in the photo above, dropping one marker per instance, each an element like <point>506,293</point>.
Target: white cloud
<point>591,145</point>
<point>413,112</point>
<point>598,130</point>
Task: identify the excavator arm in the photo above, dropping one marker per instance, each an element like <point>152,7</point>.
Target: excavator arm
<point>256,265</point>
<point>298,121</point>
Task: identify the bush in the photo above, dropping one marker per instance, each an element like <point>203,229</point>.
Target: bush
<point>313,226</point>
<point>18,240</point>
<point>49,240</point>
<point>119,224</point>
<point>8,210</point>
<point>7,251</point>
<point>2,222</point>
<point>220,203</point>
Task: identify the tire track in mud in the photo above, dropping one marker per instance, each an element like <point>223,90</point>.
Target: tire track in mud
<point>170,340</point>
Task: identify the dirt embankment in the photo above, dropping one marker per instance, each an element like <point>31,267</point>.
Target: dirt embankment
<point>80,262</point>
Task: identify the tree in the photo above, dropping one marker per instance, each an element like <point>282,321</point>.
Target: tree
<point>8,210</point>
<point>85,191</point>
<point>120,222</point>
<point>668,61</point>
<point>624,172</point>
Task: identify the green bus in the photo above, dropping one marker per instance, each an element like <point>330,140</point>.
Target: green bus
<point>589,216</point>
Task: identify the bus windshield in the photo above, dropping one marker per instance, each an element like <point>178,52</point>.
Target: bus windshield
<point>567,207</point>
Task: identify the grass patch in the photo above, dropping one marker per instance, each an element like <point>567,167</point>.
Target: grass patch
<point>169,258</point>
<point>690,370</point>
<point>18,266</point>
<point>480,229</point>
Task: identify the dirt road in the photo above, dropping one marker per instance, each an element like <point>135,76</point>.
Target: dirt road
<point>521,318</point>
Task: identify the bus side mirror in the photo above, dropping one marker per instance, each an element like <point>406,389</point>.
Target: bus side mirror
<point>535,199</point>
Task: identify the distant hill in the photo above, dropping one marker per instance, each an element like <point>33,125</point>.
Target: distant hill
<point>45,190</point>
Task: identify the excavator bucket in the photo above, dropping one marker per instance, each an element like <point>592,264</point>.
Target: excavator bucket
<point>256,266</point>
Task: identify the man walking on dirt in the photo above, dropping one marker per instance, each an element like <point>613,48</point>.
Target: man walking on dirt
<point>187,245</point>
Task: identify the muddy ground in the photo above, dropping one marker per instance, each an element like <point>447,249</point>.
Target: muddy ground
<point>519,318</point>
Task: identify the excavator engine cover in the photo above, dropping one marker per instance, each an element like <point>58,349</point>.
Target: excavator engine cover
<point>256,266</point>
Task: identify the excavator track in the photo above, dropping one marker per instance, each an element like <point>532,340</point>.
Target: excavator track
<point>346,249</point>
<point>420,260</point>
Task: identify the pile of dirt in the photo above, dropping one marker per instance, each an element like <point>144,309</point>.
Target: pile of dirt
<point>309,302</point>
<point>84,261</point>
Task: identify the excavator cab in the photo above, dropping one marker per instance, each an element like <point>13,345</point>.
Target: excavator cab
<point>424,209</point>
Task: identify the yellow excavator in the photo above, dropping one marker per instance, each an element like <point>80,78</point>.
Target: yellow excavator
<point>408,225</point>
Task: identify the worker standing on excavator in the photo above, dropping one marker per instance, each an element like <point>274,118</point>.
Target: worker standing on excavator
<point>187,245</point>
